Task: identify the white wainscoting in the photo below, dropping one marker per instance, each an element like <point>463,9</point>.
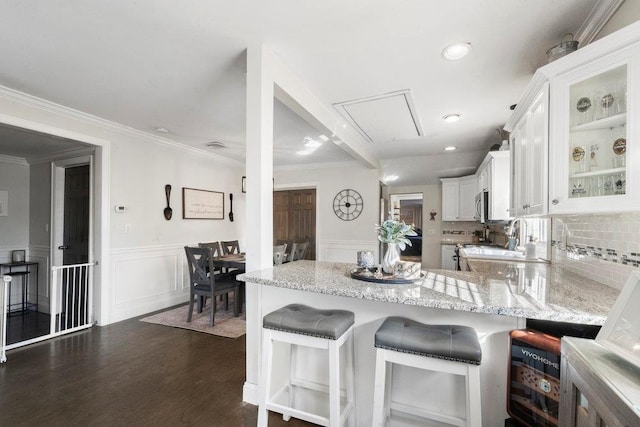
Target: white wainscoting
<point>345,250</point>
<point>147,279</point>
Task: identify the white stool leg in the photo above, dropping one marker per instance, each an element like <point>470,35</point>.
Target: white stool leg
<point>351,384</point>
<point>474,404</point>
<point>265,383</point>
<point>293,358</point>
<point>334,384</point>
<point>379,389</point>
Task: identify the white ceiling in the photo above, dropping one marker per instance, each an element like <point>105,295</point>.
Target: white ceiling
<point>181,66</point>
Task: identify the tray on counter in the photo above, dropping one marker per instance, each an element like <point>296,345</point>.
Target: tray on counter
<point>367,275</point>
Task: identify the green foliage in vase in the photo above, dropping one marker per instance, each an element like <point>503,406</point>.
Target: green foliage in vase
<point>392,231</point>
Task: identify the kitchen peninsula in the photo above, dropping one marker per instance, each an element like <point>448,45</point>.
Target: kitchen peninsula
<point>493,300</point>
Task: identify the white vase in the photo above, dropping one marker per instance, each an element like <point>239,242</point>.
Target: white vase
<point>391,258</point>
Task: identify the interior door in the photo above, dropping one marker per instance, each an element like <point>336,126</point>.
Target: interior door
<point>75,245</point>
<point>294,218</point>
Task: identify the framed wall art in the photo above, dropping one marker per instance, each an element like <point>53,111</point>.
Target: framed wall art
<point>202,204</point>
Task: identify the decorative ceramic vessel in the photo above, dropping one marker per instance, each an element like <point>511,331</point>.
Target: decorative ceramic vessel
<point>366,259</point>
<point>391,258</point>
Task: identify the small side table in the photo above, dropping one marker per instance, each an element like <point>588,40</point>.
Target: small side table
<point>23,270</point>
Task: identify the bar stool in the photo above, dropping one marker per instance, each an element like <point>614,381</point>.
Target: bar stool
<point>300,325</point>
<point>452,349</point>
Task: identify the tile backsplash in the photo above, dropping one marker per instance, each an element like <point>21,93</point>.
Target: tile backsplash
<point>603,247</point>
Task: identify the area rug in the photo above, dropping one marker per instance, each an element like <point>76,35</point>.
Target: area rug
<point>224,324</point>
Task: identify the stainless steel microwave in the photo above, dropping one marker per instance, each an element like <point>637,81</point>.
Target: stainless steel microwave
<point>482,207</point>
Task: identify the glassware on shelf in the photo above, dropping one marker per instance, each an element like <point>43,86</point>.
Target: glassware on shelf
<point>578,161</point>
<point>620,183</point>
<point>609,185</point>
<point>584,105</point>
<point>619,147</point>
<point>621,96</point>
<point>593,157</point>
<point>579,188</point>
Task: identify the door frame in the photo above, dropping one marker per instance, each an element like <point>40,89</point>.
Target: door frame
<point>102,218</point>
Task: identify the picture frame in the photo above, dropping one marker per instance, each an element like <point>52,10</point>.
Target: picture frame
<point>18,255</point>
<point>621,331</point>
<point>202,204</point>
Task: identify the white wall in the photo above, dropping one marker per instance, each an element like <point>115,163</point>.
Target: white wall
<point>627,13</point>
<point>14,228</point>
<point>142,270</point>
<point>431,230</point>
<point>339,240</point>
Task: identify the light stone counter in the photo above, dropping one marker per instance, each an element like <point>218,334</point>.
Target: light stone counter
<point>526,290</point>
<point>494,299</point>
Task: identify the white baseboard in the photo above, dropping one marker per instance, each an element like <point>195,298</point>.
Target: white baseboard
<point>250,393</point>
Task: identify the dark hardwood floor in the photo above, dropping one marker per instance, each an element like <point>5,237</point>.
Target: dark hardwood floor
<point>27,325</point>
<point>130,373</point>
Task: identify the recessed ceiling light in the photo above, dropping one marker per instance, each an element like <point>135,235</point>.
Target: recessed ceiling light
<point>162,130</point>
<point>451,118</point>
<point>456,51</point>
<point>450,148</point>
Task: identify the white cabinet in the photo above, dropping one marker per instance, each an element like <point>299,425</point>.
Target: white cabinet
<point>574,133</point>
<point>529,147</point>
<point>593,168</point>
<point>493,176</point>
<point>458,198</point>
<point>448,257</point>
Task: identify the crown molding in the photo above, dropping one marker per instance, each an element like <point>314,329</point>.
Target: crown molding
<point>602,11</point>
<point>22,98</point>
<point>13,160</point>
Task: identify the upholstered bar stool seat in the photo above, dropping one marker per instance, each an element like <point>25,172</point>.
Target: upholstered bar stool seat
<point>300,325</point>
<point>452,349</point>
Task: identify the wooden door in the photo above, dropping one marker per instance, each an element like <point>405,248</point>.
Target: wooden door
<point>294,219</point>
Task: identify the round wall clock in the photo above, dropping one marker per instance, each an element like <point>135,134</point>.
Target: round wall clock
<point>347,205</point>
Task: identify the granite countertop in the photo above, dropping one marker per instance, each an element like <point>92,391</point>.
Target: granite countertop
<point>531,290</point>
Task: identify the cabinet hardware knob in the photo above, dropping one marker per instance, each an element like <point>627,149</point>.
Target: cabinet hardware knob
<point>555,201</point>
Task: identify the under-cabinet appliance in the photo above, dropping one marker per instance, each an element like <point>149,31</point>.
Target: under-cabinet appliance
<point>482,206</point>
<point>533,390</point>
<point>534,378</point>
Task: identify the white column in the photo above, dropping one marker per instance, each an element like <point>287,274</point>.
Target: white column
<point>259,211</point>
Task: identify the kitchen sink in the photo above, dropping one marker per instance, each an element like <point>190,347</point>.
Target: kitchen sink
<point>494,253</point>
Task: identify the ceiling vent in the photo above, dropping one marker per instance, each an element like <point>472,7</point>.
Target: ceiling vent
<point>383,118</point>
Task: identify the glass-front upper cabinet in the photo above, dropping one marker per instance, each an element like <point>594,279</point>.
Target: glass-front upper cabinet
<point>598,135</point>
<point>593,144</point>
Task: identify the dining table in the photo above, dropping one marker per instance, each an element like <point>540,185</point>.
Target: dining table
<point>235,261</point>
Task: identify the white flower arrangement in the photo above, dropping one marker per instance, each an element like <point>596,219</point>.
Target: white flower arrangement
<point>392,231</point>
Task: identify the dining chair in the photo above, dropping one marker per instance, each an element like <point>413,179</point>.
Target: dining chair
<point>203,284</point>
<point>230,247</point>
<point>278,254</point>
<point>298,251</point>
<point>216,249</point>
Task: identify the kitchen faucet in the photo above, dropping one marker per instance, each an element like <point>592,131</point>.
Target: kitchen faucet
<point>513,240</point>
